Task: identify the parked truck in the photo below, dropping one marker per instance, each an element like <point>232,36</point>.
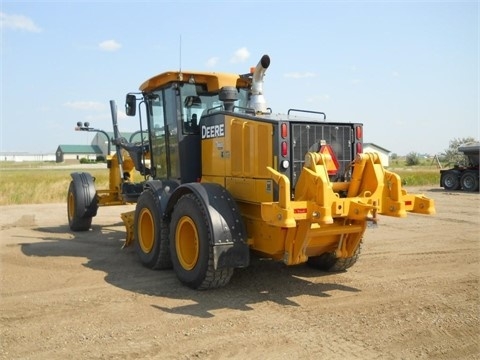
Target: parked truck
<point>221,176</point>
<point>463,177</point>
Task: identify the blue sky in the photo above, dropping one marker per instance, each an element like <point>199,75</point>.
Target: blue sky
<point>408,70</point>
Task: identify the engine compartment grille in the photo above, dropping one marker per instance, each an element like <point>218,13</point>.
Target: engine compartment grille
<point>310,137</point>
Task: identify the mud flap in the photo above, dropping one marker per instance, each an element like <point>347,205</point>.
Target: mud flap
<point>230,255</point>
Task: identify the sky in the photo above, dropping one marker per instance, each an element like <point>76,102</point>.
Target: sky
<point>407,70</point>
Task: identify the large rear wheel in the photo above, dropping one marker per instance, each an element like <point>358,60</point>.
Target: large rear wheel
<point>151,232</point>
<point>190,246</point>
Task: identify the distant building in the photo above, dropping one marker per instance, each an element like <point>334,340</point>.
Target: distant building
<point>98,147</point>
<point>382,152</point>
<point>24,156</point>
<point>77,152</point>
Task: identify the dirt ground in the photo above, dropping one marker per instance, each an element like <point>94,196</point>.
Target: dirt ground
<point>414,294</point>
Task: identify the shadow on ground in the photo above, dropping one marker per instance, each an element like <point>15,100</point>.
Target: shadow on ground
<point>262,281</point>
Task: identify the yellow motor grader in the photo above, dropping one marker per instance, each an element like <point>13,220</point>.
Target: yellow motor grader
<point>222,176</point>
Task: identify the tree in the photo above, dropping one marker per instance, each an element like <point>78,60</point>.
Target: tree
<point>412,158</point>
<point>452,156</point>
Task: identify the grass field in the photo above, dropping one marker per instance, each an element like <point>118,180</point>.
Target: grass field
<point>419,176</point>
<point>37,183</point>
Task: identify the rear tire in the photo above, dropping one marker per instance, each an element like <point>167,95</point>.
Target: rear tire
<point>451,181</point>
<point>151,233</point>
<point>190,247</point>
<point>469,181</point>
<point>329,262</point>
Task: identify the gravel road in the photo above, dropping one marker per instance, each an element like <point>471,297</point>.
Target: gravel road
<point>414,294</point>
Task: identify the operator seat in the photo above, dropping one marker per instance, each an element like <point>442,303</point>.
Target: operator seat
<point>192,125</point>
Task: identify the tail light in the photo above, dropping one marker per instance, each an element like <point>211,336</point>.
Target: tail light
<point>284,149</point>
<point>359,148</point>
<point>284,130</point>
<point>359,139</point>
<point>358,133</point>
<point>284,145</point>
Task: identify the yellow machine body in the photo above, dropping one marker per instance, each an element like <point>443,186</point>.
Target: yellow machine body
<point>316,220</point>
<point>220,175</point>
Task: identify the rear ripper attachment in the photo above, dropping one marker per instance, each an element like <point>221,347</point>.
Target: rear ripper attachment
<point>319,221</point>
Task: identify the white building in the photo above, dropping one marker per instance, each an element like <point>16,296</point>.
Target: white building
<point>23,156</point>
<point>383,153</point>
<point>77,152</point>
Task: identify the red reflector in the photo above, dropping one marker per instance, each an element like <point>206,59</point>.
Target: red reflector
<point>359,148</point>
<point>284,149</point>
<point>283,131</point>
<point>408,202</point>
<point>332,166</point>
<point>300,211</point>
<point>359,132</point>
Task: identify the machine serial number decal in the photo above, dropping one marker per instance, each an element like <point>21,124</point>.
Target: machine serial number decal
<point>268,186</point>
<point>213,131</point>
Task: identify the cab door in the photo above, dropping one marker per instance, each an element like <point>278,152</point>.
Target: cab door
<point>162,118</point>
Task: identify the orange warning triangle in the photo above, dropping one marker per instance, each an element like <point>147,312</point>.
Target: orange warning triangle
<point>332,162</point>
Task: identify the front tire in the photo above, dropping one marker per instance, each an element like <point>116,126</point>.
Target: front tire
<point>190,247</point>
<point>81,203</point>
<point>151,233</point>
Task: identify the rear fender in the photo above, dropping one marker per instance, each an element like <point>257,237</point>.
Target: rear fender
<point>229,235</point>
<point>164,190</point>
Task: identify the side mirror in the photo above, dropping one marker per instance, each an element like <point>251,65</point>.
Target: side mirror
<point>131,105</point>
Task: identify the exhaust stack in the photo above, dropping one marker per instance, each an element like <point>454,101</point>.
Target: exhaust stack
<point>257,100</point>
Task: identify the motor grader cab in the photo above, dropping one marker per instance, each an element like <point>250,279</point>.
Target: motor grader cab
<point>227,177</point>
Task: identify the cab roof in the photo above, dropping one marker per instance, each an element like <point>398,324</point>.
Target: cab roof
<point>214,81</point>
